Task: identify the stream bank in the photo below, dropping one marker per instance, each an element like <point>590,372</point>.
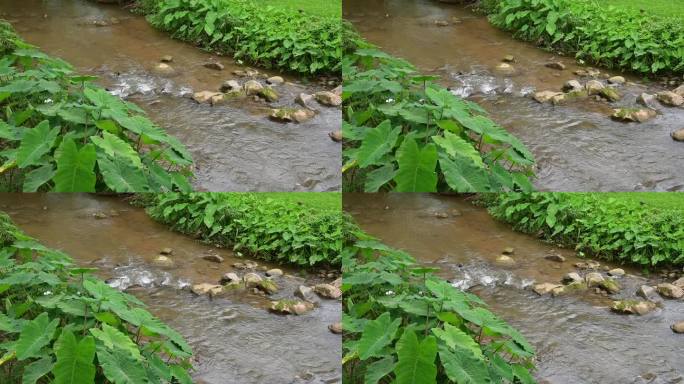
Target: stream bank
<point>236,146</point>
<point>577,146</point>
<point>577,337</point>
<point>236,339</point>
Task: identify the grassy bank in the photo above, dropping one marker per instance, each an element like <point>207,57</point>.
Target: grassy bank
<point>59,132</point>
<point>300,36</point>
<point>402,325</point>
<point>660,8</point>
<point>619,37</point>
<point>404,132</point>
<point>641,229</point>
<point>59,324</point>
<point>273,227</point>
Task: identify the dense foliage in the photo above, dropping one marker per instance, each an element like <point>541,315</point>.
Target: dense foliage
<point>405,133</point>
<point>261,34</point>
<point>58,324</point>
<point>266,228</point>
<point>606,227</point>
<point>59,132</point>
<point>405,325</point>
<point>608,36</point>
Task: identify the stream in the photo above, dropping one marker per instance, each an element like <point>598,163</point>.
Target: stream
<point>577,146</point>
<point>236,340</point>
<point>236,147</point>
<point>578,339</point>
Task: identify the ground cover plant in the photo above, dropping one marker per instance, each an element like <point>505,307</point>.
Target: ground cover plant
<point>616,227</point>
<point>620,37</point>
<point>276,229</point>
<point>272,36</point>
<point>60,132</point>
<point>402,324</point>
<point>660,8</point>
<point>404,132</point>
<point>59,324</point>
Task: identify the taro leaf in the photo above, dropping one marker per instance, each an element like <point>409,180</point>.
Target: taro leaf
<point>113,146</point>
<point>378,370</point>
<point>75,168</point>
<point>416,363</point>
<point>455,146</point>
<point>453,337</point>
<point>120,368</point>
<point>36,142</point>
<point>378,141</point>
<point>74,359</point>
<point>8,132</point>
<point>416,167</point>
<point>19,86</point>
<point>463,176</point>
<point>36,370</point>
<point>38,177</point>
<point>181,374</point>
<point>440,96</point>
<point>523,374</point>
<point>415,114</point>
<point>379,177</point>
<point>463,367</point>
<point>36,334</point>
<point>376,335</point>
<point>112,338</point>
<point>121,176</point>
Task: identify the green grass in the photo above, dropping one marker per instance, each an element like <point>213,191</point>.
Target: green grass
<point>325,201</point>
<point>660,200</point>
<point>664,8</point>
<point>317,7</point>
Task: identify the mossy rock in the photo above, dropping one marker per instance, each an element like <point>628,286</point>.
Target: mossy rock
<point>576,95</point>
<point>577,286</point>
<point>235,94</point>
<point>269,94</point>
<point>610,285</point>
<point>610,94</point>
<point>624,306</point>
<point>267,286</point>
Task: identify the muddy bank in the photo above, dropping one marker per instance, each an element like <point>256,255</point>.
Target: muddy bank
<point>578,338</point>
<point>235,338</point>
<point>577,146</point>
<point>235,145</point>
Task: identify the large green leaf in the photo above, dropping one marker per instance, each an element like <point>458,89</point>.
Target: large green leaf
<point>416,167</point>
<point>111,337</point>
<point>455,146</point>
<point>121,176</point>
<point>38,177</point>
<point>463,367</point>
<point>74,359</point>
<point>377,142</point>
<point>36,370</point>
<point>378,370</point>
<point>453,337</point>
<point>416,363</point>
<point>379,177</point>
<point>376,335</point>
<point>75,168</point>
<point>37,141</point>
<point>120,368</point>
<point>463,176</point>
<point>113,146</point>
<point>36,334</point>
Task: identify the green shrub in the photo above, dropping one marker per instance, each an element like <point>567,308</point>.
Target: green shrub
<point>403,324</point>
<point>59,132</point>
<point>605,227</point>
<point>607,36</point>
<point>59,324</point>
<point>264,35</point>
<point>403,132</point>
<point>272,230</point>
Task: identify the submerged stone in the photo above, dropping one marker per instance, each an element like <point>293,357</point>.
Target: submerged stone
<point>610,94</point>
<point>269,94</point>
<point>556,65</point>
<point>670,99</point>
<point>328,98</point>
<point>670,291</point>
<point>678,135</point>
<point>633,307</point>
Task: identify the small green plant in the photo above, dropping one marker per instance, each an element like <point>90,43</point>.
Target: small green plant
<point>402,324</point>
<point>605,35</point>
<point>61,133</point>
<point>264,35</point>
<point>403,132</point>
<point>606,227</point>
<point>59,324</point>
<point>269,229</point>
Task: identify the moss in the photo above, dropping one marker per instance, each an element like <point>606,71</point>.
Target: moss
<point>624,306</point>
<point>267,286</point>
<point>610,285</point>
<point>269,94</point>
<point>576,95</point>
<point>610,94</point>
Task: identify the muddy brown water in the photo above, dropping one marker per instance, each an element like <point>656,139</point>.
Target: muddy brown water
<point>235,146</point>
<point>577,146</point>
<point>578,339</point>
<point>235,339</point>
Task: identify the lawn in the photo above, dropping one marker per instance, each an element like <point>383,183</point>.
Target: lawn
<point>326,201</point>
<point>316,7</point>
<point>664,8</point>
<point>662,200</point>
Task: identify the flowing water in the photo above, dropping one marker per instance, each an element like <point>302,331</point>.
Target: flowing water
<point>235,146</point>
<point>577,146</point>
<point>578,339</point>
<point>235,339</point>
